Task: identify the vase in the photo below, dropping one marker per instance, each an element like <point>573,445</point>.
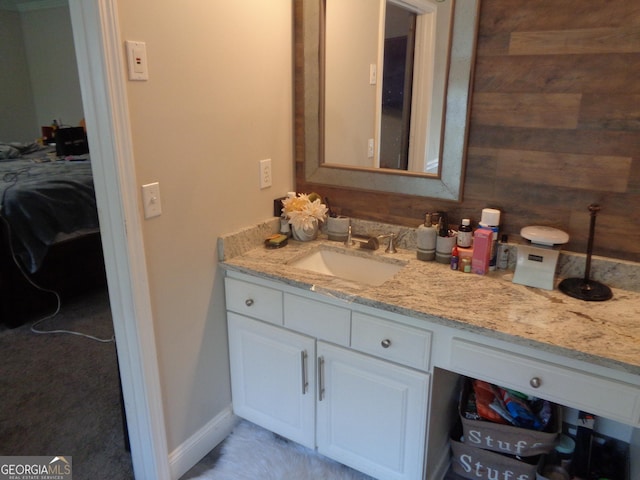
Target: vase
<point>305,234</point>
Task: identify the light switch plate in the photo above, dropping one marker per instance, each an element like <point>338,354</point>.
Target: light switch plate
<point>151,200</point>
<point>265,173</point>
<point>137,60</point>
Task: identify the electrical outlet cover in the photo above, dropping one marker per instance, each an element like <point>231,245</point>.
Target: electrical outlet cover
<point>265,173</point>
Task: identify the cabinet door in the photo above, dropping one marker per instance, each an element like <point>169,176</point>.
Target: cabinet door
<point>371,413</point>
<point>272,377</point>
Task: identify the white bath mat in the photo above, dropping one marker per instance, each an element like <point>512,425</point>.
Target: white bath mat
<point>252,453</point>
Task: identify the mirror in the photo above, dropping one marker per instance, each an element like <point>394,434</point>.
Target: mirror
<point>385,67</point>
<point>447,183</point>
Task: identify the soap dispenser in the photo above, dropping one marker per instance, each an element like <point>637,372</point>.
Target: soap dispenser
<point>426,240</point>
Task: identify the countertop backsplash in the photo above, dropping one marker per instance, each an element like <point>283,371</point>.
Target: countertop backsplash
<point>610,271</point>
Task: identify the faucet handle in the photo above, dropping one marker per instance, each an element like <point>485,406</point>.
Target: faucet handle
<point>391,247</point>
<point>349,241</point>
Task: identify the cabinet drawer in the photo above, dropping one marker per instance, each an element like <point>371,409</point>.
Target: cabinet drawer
<point>318,319</point>
<point>254,300</point>
<point>564,385</point>
<point>391,341</point>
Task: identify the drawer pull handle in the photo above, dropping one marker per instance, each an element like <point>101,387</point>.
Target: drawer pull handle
<point>320,379</point>
<point>305,380</point>
<point>535,382</point>
<point>386,343</point>
<point>248,302</point>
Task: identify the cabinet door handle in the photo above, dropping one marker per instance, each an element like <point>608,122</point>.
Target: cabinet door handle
<point>386,343</point>
<point>535,382</point>
<point>305,380</point>
<point>320,378</point>
<point>248,302</point>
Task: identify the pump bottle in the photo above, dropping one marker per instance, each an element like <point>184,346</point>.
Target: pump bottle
<point>426,240</point>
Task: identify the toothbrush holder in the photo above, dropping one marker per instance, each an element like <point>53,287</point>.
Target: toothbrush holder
<point>338,228</point>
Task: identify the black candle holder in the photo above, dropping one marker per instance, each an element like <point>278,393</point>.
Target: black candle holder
<point>585,288</point>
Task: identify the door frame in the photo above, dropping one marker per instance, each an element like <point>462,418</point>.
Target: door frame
<point>99,54</point>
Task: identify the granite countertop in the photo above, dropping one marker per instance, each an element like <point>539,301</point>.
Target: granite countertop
<point>604,333</point>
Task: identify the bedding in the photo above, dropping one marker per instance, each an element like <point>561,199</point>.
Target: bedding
<point>42,197</point>
<point>17,150</point>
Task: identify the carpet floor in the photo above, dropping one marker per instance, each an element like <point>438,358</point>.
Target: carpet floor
<point>60,393</point>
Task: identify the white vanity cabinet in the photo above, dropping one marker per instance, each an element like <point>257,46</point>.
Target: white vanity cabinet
<point>272,378</point>
<point>303,380</point>
<point>378,390</point>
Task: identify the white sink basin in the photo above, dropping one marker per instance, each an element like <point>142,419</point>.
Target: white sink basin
<point>367,270</point>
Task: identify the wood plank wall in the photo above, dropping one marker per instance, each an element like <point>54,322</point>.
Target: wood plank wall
<point>555,126</point>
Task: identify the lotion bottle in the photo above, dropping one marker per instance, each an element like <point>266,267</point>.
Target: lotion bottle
<point>426,240</point>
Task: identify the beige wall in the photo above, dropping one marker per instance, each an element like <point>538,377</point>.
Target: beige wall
<point>17,111</point>
<point>53,70</point>
<point>219,99</point>
<point>39,75</point>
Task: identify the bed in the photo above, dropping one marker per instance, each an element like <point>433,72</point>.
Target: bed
<point>49,232</point>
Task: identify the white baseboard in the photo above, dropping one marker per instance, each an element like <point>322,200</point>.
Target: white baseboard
<point>192,450</point>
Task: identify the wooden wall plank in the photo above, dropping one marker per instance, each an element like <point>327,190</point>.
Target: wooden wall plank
<point>494,44</point>
<point>541,110</point>
<point>599,73</point>
<point>527,15</point>
<point>596,142</point>
<point>618,112</point>
<point>588,172</point>
<point>612,232</point>
<point>633,187</point>
<point>582,41</point>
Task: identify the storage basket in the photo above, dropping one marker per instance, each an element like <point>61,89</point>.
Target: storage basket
<point>507,438</point>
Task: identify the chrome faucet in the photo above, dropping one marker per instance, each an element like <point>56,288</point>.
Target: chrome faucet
<point>370,243</point>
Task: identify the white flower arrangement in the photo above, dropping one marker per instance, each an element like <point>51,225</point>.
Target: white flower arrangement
<point>304,211</point>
